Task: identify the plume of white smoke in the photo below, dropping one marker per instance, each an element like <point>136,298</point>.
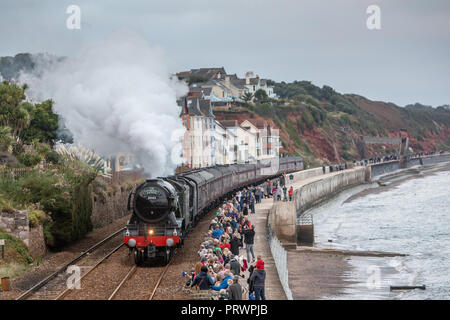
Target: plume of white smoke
<point>116,96</point>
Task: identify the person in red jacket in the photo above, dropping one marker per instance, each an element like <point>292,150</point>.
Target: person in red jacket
<point>291,192</point>
<point>224,245</point>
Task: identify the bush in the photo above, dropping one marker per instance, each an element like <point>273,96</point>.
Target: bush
<point>63,193</point>
<point>36,218</point>
<point>43,149</point>
<point>29,159</point>
<point>53,157</point>
<point>307,119</point>
<point>17,246</point>
<point>6,206</point>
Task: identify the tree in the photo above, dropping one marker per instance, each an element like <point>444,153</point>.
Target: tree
<point>261,95</point>
<point>327,92</point>
<point>196,79</point>
<point>247,96</point>
<point>43,125</point>
<point>13,109</point>
<point>6,138</point>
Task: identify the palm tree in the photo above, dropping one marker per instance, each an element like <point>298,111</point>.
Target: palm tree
<point>248,96</point>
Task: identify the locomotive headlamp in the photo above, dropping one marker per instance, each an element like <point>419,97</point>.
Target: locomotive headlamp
<point>175,233</point>
<point>150,232</point>
<point>169,242</point>
<point>132,243</point>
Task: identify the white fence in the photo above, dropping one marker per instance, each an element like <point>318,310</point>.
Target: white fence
<point>279,255</point>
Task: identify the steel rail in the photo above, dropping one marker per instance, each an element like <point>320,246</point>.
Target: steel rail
<point>67,290</point>
<point>159,280</point>
<point>43,282</point>
<point>127,276</point>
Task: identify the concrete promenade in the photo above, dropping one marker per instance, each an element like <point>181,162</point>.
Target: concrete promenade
<point>273,289</point>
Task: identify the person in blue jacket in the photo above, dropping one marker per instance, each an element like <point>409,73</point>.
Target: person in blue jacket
<point>217,233</point>
<point>203,279</point>
<point>224,283</point>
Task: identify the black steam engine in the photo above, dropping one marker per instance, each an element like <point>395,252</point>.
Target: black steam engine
<point>166,209</point>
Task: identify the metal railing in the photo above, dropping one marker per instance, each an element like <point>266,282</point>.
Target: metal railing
<point>279,255</point>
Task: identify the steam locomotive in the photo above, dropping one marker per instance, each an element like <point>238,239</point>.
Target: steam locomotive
<point>166,209</point>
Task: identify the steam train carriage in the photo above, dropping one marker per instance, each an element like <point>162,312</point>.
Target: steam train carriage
<point>166,209</point>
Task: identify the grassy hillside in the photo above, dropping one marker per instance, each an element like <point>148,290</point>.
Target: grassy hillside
<point>323,125</point>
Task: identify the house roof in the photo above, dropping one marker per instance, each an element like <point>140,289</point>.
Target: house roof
<point>199,91</point>
<point>205,107</point>
<point>258,123</point>
<point>190,106</point>
<point>206,73</point>
<point>229,123</point>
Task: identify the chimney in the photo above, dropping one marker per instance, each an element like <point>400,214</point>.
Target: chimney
<point>248,75</point>
<point>227,80</point>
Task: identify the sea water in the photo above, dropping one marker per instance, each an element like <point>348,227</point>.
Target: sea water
<point>412,218</point>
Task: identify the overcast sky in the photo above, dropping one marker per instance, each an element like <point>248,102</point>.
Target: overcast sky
<point>326,41</point>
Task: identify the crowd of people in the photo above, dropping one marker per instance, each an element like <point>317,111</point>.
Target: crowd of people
<point>227,255</point>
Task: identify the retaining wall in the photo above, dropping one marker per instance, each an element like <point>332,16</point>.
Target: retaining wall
<point>17,224</point>
<point>110,198</point>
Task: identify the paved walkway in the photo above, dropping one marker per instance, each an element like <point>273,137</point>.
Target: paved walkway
<point>273,289</point>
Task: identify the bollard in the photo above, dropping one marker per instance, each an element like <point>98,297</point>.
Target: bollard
<point>2,244</point>
<point>6,284</point>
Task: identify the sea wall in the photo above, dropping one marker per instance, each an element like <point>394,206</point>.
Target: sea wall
<point>435,159</point>
<point>378,169</point>
<point>283,215</point>
<point>309,173</point>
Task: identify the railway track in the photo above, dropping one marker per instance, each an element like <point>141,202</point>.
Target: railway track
<point>119,290</point>
<point>51,286</point>
<point>127,276</point>
<point>68,290</point>
<point>159,280</point>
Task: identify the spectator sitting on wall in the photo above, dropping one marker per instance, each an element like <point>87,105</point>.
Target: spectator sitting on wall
<point>224,283</point>
<point>224,245</point>
<point>217,232</point>
<point>203,279</point>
